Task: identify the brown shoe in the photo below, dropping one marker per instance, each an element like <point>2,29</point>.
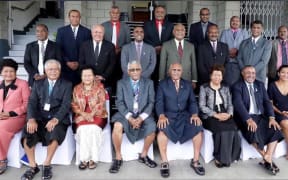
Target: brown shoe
<point>92,165</point>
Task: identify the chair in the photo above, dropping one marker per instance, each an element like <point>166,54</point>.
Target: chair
<point>15,151</point>
<point>64,153</point>
<point>249,152</point>
<point>105,155</point>
<point>130,151</point>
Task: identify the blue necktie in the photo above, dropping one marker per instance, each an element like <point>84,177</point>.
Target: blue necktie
<point>51,84</point>
<point>284,53</point>
<point>234,34</point>
<point>254,44</point>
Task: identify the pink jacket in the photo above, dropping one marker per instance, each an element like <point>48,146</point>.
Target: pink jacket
<point>16,100</point>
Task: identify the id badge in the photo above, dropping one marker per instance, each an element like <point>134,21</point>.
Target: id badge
<point>47,107</point>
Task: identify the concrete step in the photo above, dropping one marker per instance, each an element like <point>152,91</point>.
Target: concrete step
<point>29,37</point>
<point>18,47</point>
<point>25,41</point>
<point>16,53</point>
<point>50,20</point>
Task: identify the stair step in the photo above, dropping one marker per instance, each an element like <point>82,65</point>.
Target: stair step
<point>18,47</point>
<point>30,37</point>
<point>16,53</point>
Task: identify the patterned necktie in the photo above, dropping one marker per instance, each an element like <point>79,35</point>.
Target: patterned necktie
<point>136,96</point>
<point>114,34</point>
<point>284,53</point>
<point>139,52</point>
<point>234,34</point>
<point>176,82</point>
<point>180,50</point>
<point>74,32</point>
<point>96,52</point>
<point>214,47</point>
<point>253,103</point>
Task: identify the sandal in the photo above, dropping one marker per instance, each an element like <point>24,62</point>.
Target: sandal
<point>92,165</point>
<point>82,165</point>
<point>199,169</point>
<point>268,166</point>
<point>30,173</point>
<point>3,167</point>
<point>164,170</point>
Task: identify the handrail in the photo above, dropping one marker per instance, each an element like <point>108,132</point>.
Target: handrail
<point>24,9</point>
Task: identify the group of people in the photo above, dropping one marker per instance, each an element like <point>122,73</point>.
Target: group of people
<point>78,72</point>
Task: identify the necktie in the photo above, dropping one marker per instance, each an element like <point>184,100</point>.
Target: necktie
<point>114,34</point>
<point>284,53</point>
<point>139,51</point>
<point>41,59</point>
<point>254,44</point>
<point>204,28</point>
<point>214,47</point>
<point>136,94</point>
<point>253,103</point>
<point>74,32</point>
<point>180,50</point>
<point>159,29</point>
<point>176,82</point>
<point>234,34</point>
<point>96,52</point>
<point>51,85</point>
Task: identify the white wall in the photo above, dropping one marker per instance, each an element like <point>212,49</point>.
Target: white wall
<point>22,18</point>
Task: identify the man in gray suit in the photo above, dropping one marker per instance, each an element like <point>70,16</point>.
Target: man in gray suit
<point>233,37</point>
<point>181,51</point>
<point>140,51</point>
<point>255,51</point>
<point>135,103</point>
<point>279,53</point>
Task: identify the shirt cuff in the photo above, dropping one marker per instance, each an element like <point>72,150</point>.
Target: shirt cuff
<point>12,114</point>
<point>128,115</point>
<point>143,116</point>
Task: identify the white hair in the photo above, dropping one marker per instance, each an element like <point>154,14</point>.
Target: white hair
<point>133,62</point>
<point>51,61</point>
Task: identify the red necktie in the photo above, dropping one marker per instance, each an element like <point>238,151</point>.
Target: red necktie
<point>180,50</point>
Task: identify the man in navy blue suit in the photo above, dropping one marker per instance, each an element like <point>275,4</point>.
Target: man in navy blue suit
<point>177,110</point>
<point>70,38</point>
<point>255,116</point>
<point>198,30</point>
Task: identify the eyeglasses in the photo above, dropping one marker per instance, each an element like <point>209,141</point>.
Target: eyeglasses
<point>177,70</point>
<point>204,14</point>
<point>134,70</point>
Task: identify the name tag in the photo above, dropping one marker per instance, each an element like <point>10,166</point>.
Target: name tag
<point>47,107</point>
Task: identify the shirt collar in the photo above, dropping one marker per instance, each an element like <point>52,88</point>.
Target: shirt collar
<point>74,27</point>
<point>132,81</point>
<point>177,41</point>
<point>139,43</point>
<point>45,42</point>
<point>11,85</point>
<point>256,38</point>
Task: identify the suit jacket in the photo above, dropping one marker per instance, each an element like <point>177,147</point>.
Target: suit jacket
<point>207,58</point>
<point>171,103</point>
<point>169,55</point>
<point>125,97</point>
<point>106,58</point>
<point>31,57</point>
<point>60,101</point>
<point>151,35</point>
<point>241,100</point>
<point>272,65</point>
<point>16,99</point>
<point>68,44</point>
<point>124,34</point>
<point>147,59</point>
<point>196,33</point>
<point>258,57</point>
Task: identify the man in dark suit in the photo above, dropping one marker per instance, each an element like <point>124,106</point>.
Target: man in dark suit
<point>138,50</point>
<point>198,30</point>
<point>177,110</point>
<point>100,54</point>
<point>135,103</point>
<point>156,32</point>
<point>37,53</point>
<point>255,116</point>
<point>70,38</point>
<point>211,52</point>
<point>47,118</point>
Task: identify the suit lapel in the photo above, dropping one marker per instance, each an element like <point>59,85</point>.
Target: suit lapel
<point>47,50</point>
<point>130,93</point>
<point>141,93</point>
<point>36,51</point>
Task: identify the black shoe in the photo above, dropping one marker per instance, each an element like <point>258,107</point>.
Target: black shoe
<point>30,173</point>
<point>199,169</point>
<point>46,172</point>
<point>115,166</point>
<point>146,160</point>
<point>219,164</point>
<point>3,167</point>
<point>165,171</point>
<point>269,167</point>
